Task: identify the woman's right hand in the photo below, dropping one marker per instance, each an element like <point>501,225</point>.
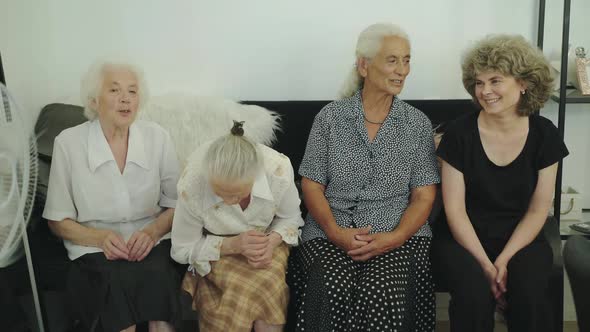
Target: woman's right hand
<point>250,244</point>
<point>345,238</point>
<point>491,274</point>
<point>113,246</point>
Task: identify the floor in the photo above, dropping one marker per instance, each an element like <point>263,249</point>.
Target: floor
<point>443,326</point>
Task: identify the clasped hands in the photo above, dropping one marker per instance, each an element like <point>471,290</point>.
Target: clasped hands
<point>362,246</point>
<point>257,247</point>
<point>497,275</point>
<point>135,249</point>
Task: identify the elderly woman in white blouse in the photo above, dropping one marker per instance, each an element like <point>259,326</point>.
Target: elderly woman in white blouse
<point>237,214</point>
<point>111,198</point>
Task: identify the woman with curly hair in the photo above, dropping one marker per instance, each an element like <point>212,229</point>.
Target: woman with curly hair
<point>498,174</point>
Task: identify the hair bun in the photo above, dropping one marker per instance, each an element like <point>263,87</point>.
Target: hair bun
<point>238,128</point>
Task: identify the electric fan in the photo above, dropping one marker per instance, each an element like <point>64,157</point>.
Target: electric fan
<point>18,177</point>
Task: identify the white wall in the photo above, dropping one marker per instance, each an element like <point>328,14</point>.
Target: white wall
<point>260,49</point>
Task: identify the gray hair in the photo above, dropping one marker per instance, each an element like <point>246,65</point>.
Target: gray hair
<point>91,84</point>
<point>367,46</point>
<point>233,158</point>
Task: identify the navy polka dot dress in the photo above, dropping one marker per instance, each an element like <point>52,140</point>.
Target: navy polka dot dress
<point>366,183</point>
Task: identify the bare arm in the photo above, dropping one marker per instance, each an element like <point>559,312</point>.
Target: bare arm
<point>111,243</point>
<point>317,204</point>
<point>532,222</point>
<point>453,189</point>
<point>417,212</point>
<point>161,226</point>
<point>415,216</point>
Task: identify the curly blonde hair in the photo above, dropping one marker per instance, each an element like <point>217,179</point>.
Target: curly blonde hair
<point>510,55</point>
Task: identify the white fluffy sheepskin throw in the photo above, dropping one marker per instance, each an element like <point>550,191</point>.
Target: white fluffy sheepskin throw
<point>193,120</point>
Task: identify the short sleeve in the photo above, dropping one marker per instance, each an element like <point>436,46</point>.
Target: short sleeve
<point>60,201</point>
<point>314,165</point>
<point>552,148</point>
<point>451,148</point>
<point>168,174</point>
<point>425,169</point>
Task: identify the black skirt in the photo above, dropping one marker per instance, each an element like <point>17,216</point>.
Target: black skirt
<point>114,295</point>
<point>390,292</point>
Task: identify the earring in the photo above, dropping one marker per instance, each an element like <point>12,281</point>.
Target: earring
<point>522,92</point>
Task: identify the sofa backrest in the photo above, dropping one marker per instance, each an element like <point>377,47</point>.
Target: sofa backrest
<point>297,118</point>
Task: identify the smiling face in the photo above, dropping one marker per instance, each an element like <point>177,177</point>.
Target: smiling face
<point>387,71</point>
<point>231,192</point>
<point>118,99</point>
<point>498,93</point>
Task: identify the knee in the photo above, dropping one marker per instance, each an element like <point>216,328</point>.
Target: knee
<point>475,292</point>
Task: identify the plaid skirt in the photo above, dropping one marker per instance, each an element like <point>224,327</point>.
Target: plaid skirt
<point>234,294</point>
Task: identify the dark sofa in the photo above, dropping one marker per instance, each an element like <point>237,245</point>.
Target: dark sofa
<point>50,259</point>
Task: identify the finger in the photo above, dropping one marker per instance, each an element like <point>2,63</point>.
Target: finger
<point>254,253</point>
<point>255,233</point>
<point>118,242</point>
<point>499,275</point>
<point>260,246</point>
<point>361,250</point>
<point>365,237</point>
<point>362,258</point>
<point>503,284</point>
<point>364,230</point>
<point>357,244</point>
<point>496,292</point>
<point>257,240</point>
<point>132,240</point>
<point>116,252</point>
<point>146,251</point>
<point>136,250</point>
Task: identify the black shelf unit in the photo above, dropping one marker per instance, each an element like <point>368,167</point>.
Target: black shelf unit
<point>562,98</point>
<point>572,96</point>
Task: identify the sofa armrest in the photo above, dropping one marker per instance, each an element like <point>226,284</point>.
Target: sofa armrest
<point>551,232</point>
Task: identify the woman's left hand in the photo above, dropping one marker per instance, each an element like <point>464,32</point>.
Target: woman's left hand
<point>377,244</point>
<point>140,244</point>
<point>263,261</point>
<point>502,276</point>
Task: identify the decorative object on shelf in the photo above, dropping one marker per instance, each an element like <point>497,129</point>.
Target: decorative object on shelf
<point>572,76</point>
<point>583,227</point>
<point>582,71</point>
<point>555,68</point>
<point>571,204</point>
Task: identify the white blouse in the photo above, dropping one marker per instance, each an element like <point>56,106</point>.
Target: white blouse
<point>202,220</point>
<point>86,185</point>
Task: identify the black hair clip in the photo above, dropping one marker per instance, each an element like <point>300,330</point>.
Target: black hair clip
<point>238,128</point>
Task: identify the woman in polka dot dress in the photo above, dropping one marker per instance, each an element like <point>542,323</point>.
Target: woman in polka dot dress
<point>368,176</point>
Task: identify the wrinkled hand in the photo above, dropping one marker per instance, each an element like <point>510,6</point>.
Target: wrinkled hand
<point>263,261</point>
<point>491,273</point>
<point>113,246</point>
<point>346,238</point>
<point>140,244</point>
<point>251,244</point>
<point>377,244</point>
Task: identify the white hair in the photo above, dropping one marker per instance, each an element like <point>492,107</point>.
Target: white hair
<point>91,85</point>
<point>233,158</point>
<point>367,46</point>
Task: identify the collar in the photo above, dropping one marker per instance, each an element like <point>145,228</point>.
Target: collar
<point>99,151</point>
<point>260,189</point>
<point>356,111</point>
